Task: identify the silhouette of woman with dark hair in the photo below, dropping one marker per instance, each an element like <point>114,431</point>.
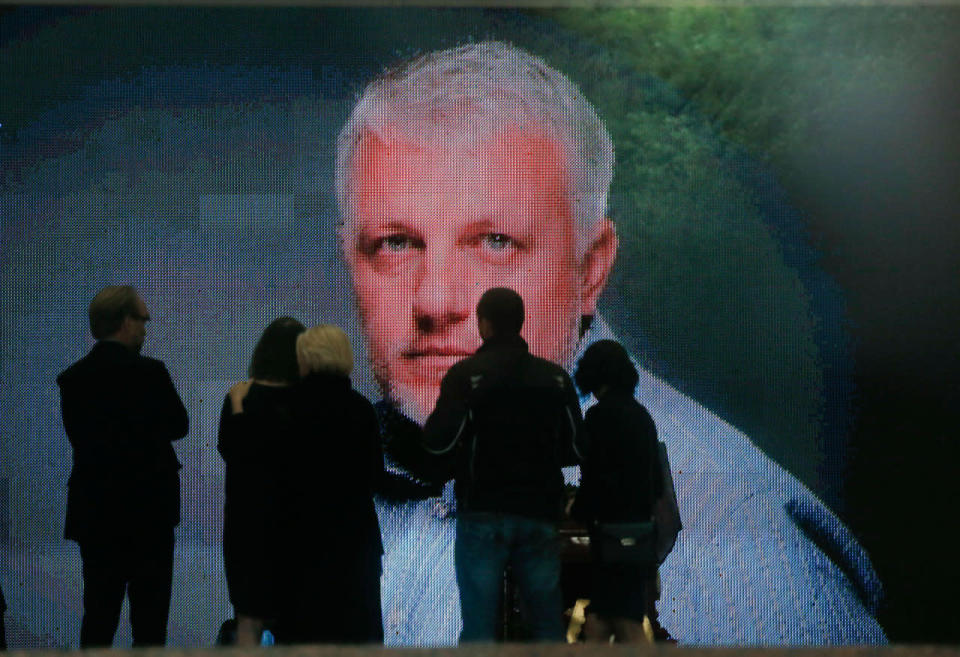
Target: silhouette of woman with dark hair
<point>620,480</point>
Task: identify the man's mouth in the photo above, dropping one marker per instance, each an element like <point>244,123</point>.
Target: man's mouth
<point>433,362</point>
<point>424,352</point>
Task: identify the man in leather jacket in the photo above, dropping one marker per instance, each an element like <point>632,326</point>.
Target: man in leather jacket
<point>509,421</point>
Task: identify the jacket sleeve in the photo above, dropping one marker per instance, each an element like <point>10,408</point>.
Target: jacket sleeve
<point>583,505</point>
<point>450,418</point>
<point>572,437</point>
<point>657,473</point>
<point>232,433</point>
<point>170,420</point>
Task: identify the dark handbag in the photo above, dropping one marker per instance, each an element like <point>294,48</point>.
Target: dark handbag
<point>627,542</point>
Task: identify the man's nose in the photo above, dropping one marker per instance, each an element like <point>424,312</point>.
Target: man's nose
<point>440,299</point>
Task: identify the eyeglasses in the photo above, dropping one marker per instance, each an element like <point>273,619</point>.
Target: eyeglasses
<point>142,318</point>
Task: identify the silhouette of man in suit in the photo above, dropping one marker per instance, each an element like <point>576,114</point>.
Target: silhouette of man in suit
<point>121,412</point>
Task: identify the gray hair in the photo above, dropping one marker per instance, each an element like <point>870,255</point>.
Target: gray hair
<point>467,93</point>
<point>324,348</point>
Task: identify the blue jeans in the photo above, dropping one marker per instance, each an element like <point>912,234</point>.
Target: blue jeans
<point>485,544</point>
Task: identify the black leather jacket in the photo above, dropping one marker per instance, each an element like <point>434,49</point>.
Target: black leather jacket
<point>506,422</point>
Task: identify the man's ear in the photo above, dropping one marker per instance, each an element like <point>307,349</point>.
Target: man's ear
<point>126,327</point>
<point>596,264</point>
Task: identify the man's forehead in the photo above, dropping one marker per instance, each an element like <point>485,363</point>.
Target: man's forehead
<point>516,167</point>
<point>528,143</point>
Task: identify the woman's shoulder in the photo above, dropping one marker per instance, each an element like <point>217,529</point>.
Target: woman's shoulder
<point>323,394</point>
<point>360,405</point>
<point>623,411</point>
<point>270,388</point>
<point>614,405</point>
<point>268,399</point>
<point>269,392</point>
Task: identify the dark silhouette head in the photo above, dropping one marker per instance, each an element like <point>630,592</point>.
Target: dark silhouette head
<point>109,308</point>
<point>606,363</point>
<point>118,313</point>
<point>502,309</point>
<point>275,356</point>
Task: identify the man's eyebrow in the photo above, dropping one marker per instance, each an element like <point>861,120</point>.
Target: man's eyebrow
<point>491,224</point>
<point>386,225</point>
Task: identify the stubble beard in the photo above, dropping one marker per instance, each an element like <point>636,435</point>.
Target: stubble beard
<point>406,401</point>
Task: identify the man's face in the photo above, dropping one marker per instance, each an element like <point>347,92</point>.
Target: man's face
<point>135,327</point>
<point>435,226</point>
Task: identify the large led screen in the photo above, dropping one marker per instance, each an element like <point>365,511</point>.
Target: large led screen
<point>201,155</point>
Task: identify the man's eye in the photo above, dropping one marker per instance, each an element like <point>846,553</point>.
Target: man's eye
<point>497,241</point>
<point>393,243</point>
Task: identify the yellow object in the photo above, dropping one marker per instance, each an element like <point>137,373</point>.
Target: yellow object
<point>578,616</point>
<point>647,629</point>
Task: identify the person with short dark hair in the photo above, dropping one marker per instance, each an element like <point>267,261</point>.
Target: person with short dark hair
<point>508,420</point>
<point>264,399</point>
<point>619,481</point>
<point>121,412</point>
<point>606,365</point>
<point>502,309</point>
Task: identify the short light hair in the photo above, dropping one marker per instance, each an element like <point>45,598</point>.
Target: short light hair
<point>475,91</point>
<point>325,349</point>
<point>110,307</point>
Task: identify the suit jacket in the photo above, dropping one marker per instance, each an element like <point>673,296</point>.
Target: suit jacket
<point>121,412</point>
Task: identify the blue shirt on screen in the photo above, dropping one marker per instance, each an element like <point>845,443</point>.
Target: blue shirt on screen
<point>760,559</point>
